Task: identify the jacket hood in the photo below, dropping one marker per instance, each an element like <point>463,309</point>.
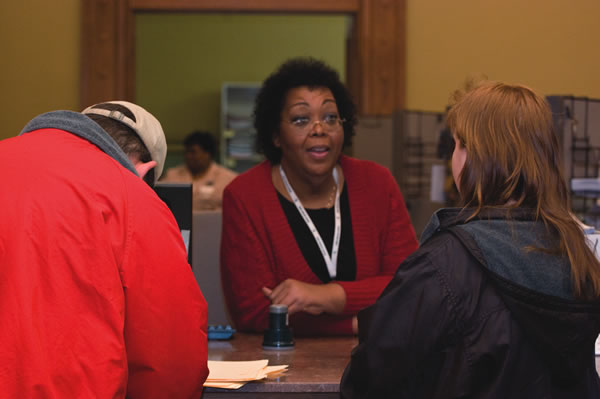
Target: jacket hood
<point>536,286</point>
<point>82,126</point>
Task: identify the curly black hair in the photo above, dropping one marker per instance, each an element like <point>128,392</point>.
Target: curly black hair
<point>297,72</point>
<point>205,140</point>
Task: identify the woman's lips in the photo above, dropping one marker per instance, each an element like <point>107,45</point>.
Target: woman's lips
<point>318,152</point>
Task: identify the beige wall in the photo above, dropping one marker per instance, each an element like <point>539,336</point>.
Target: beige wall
<point>39,67</point>
<point>551,45</point>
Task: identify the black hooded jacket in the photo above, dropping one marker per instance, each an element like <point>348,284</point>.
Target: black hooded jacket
<point>475,312</point>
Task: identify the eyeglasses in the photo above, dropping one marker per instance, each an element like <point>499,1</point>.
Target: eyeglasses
<point>329,123</point>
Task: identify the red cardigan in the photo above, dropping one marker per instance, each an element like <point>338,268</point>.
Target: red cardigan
<point>258,248</point>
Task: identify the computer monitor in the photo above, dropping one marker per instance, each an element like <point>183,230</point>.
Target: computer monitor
<point>178,197</point>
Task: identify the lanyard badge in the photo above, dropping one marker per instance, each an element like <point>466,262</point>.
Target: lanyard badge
<point>330,261</point>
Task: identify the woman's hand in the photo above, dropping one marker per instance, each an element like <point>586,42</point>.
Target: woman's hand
<point>311,298</point>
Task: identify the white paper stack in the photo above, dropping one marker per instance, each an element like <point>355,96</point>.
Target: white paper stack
<point>233,375</point>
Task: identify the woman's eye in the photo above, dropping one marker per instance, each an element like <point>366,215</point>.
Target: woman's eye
<point>331,119</point>
<point>300,121</point>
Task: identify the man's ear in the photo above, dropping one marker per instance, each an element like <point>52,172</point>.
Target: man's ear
<point>143,167</point>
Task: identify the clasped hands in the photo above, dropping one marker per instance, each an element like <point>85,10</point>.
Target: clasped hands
<point>305,297</point>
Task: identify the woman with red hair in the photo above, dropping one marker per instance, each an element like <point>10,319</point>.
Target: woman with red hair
<point>502,298</point>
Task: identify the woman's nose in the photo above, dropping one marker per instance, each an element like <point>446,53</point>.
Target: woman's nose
<point>317,128</point>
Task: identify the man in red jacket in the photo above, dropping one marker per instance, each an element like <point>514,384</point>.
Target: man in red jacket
<point>96,296</point>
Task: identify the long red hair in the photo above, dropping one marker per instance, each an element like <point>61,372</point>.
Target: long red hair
<point>513,160</point>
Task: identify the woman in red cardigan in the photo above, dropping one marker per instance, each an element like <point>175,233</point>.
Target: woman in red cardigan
<point>310,228</point>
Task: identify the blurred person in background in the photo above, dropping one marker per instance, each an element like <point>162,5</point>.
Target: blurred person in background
<point>207,177</point>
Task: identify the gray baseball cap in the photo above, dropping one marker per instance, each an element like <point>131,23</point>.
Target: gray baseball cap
<point>147,127</point>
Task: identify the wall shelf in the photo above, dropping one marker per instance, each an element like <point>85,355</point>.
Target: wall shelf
<point>238,137</point>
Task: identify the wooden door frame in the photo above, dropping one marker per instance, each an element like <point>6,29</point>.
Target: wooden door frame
<point>376,54</point>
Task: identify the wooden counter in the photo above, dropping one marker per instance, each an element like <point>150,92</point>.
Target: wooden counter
<point>315,366</point>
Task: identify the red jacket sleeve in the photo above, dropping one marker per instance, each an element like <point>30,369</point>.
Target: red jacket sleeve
<point>165,312</point>
<point>397,240</point>
<point>246,267</point>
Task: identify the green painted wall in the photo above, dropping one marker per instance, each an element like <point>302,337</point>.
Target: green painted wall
<point>182,60</point>
<point>39,62</point>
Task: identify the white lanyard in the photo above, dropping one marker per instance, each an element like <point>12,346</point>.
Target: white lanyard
<point>331,262</point>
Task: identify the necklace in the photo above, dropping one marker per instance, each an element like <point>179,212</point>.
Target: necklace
<point>331,196</point>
